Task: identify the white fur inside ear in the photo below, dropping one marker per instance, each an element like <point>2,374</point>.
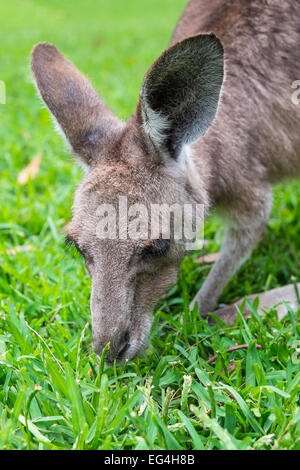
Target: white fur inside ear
<point>155,124</point>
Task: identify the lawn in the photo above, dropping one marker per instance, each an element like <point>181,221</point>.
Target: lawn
<point>54,393</point>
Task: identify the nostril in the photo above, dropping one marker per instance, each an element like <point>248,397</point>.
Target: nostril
<point>126,337</point>
<point>124,345</point>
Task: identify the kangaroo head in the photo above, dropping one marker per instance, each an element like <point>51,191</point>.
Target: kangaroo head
<point>132,168</point>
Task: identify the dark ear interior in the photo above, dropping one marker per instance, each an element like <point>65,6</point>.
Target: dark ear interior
<point>76,106</point>
<point>180,93</point>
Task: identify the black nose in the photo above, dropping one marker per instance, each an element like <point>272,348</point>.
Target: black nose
<point>123,346</point>
<point>118,346</point>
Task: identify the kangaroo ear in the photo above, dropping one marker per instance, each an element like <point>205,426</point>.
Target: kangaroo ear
<point>180,93</point>
<point>73,102</point>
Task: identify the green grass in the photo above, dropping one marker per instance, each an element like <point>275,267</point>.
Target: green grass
<point>54,394</point>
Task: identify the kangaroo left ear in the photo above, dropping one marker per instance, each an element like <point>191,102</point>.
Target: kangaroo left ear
<point>180,93</point>
<point>76,106</point>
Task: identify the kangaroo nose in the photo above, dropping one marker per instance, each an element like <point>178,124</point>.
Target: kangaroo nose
<point>124,346</point>
<point>118,347</point>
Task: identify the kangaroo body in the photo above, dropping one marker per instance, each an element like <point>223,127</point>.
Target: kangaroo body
<point>182,145</point>
<point>255,139</point>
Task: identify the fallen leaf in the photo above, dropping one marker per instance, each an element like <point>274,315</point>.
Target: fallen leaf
<point>18,249</point>
<point>97,41</point>
<point>30,170</point>
<point>54,315</point>
<point>209,258</point>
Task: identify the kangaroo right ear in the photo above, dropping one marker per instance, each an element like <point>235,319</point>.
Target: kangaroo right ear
<point>73,102</point>
<point>180,93</point>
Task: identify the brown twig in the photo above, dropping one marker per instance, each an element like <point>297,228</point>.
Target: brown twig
<point>234,348</point>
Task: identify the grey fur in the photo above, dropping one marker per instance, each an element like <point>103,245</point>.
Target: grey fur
<point>253,142</point>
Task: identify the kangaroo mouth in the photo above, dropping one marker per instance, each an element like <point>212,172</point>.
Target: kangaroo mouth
<point>137,345</point>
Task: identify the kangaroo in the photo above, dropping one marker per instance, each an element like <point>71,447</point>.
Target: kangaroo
<point>194,138</point>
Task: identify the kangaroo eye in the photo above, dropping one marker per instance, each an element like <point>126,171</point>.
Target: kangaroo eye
<point>156,249</point>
